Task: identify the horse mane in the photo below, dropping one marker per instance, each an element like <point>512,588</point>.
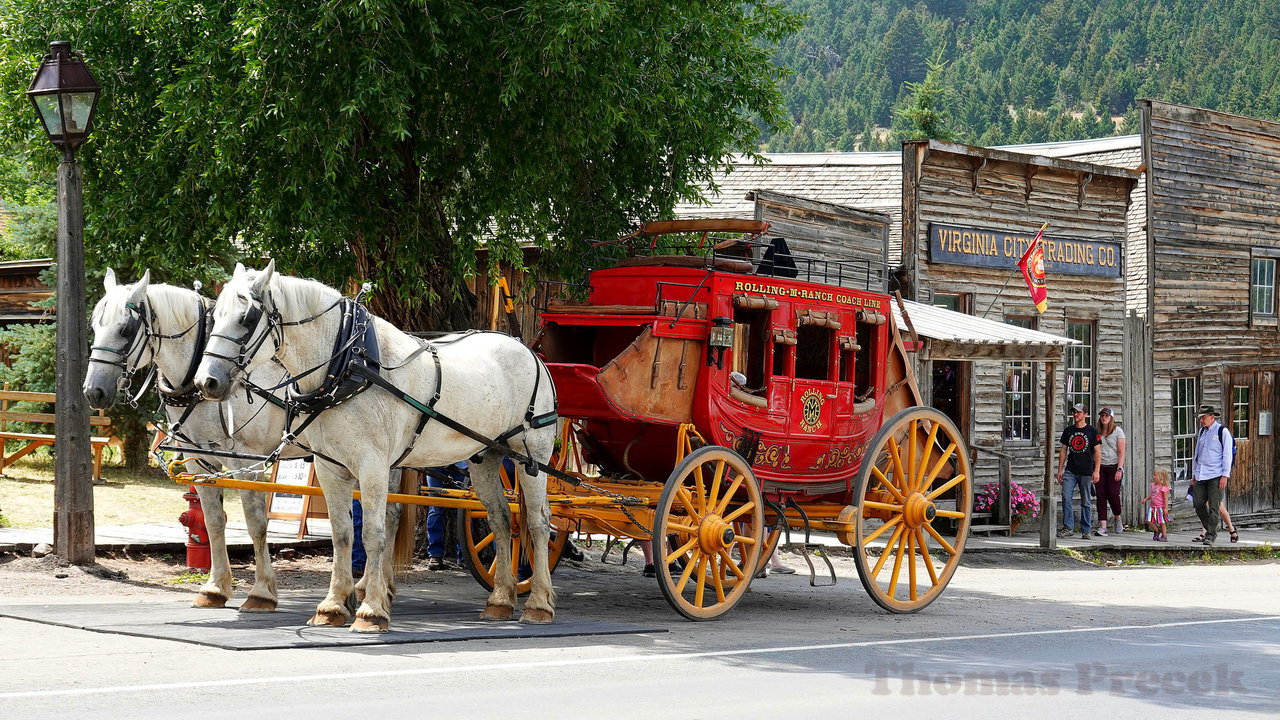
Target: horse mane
<point>175,307</point>
<point>300,297</point>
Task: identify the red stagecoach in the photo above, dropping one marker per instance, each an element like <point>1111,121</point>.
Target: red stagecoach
<point>721,394</point>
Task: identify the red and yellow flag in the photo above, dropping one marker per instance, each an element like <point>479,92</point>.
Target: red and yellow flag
<point>1032,266</point>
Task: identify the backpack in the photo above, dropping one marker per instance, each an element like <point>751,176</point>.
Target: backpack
<point>1234,443</point>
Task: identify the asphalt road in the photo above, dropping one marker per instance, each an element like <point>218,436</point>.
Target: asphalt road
<point>1012,636</point>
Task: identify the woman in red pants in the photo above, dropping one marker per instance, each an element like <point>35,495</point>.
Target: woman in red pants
<point>1111,444</point>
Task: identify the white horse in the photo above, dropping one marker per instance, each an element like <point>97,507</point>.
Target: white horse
<point>143,324</point>
<point>489,383</point>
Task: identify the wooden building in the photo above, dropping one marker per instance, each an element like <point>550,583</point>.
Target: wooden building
<point>961,218</point>
<point>968,214</point>
<point>1212,219</point>
<point>20,286</point>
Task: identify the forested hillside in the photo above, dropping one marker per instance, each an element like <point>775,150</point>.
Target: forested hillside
<point>1016,71</point>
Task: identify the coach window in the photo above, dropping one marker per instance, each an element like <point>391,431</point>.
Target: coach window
<point>868,336</point>
<point>815,344</point>
<point>848,357</point>
<point>784,341</point>
<point>750,346</point>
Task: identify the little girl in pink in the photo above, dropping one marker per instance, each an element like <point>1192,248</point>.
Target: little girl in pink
<point>1157,502</point>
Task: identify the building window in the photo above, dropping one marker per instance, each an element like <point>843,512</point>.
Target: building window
<point>955,302</point>
<point>1019,391</point>
<point>1240,412</point>
<point>1186,394</point>
<point>1079,374</point>
<point>1262,286</point>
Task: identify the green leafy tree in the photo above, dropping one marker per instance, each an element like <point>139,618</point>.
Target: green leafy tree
<point>925,112</point>
<point>386,140</point>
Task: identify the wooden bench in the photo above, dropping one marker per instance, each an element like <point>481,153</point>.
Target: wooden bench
<point>35,441</point>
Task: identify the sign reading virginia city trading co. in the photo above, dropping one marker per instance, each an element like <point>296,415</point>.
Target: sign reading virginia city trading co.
<point>987,247</point>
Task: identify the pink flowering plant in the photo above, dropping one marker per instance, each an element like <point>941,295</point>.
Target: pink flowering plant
<point>1023,504</point>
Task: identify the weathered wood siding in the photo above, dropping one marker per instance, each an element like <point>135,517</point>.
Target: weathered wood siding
<point>1213,197</point>
<point>19,287</point>
<point>825,230</point>
<point>1018,193</point>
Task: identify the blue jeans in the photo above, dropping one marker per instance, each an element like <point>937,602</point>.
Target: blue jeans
<point>358,556</point>
<point>435,522</point>
<point>1070,483</point>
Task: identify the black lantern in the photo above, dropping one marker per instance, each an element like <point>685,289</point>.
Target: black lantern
<point>65,95</point>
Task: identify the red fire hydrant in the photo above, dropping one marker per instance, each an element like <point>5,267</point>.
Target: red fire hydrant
<point>197,534</point>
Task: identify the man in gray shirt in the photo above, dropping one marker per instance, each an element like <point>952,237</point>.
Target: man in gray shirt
<point>1210,469</point>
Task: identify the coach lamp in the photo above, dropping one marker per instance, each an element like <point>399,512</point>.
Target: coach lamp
<point>721,338</point>
<point>65,94</point>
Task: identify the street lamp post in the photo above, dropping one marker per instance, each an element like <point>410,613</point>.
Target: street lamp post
<point>65,95</point>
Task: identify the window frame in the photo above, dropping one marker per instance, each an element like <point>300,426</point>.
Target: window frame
<point>1271,257</point>
<point>1025,397</point>
<point>1184,427</point>
<point>1085,373</point>
<point>1241,412</point>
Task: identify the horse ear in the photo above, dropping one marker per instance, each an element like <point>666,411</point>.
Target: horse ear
<point>109,281</point>
<point>140,288</point>
<point>264,278</point>
<point>238,271</point>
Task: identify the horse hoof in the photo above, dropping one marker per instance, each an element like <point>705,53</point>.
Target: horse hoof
<point>209,600</point>
<point>497,612</point>
<point>258,604</point>
<point>333,619</point>
<point>370,625</point>
<point>536,616</point>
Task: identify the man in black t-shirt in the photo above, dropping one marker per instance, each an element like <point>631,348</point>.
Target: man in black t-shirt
<point>1079,461</point>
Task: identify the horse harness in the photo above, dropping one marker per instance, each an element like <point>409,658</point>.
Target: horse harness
<point>355,365</point>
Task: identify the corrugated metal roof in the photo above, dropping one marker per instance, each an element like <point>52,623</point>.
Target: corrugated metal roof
<point>1072,148</point>
<point>949,326</point>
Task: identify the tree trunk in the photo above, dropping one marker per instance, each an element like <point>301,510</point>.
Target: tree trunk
<point>135,445</point>
<point>414,262</point>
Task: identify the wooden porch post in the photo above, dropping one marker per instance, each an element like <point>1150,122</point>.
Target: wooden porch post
<point>1048,509</point>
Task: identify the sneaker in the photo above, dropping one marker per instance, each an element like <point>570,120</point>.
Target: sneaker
<point>435,563</point>
<point>764,573</point>
<point>1163,538</point>
<point>1066,532</point>
<point>572,552</point>
<point>782,570</point>
<point>1155,535</point>
<point>1084,536</point>
<point>1101,531</point>
<point>1119,526</point>
<point>1209,540</point>
<point>649,571</point>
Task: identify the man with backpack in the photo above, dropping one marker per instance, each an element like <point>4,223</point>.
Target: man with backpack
<point>1210,469</point>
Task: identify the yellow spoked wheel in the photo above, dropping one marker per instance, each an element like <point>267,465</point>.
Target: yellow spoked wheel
<point>708,531</point>
<point>772,536</point>
<point>914,491</point>
<point>481,558</point>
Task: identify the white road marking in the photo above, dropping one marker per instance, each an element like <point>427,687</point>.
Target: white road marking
<point>233,682</point>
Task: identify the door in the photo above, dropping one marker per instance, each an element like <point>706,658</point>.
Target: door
<point>1248,411</point>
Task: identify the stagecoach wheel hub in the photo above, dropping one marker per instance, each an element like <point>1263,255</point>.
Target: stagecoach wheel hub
<point>918,511</point>
<point>714,534</point>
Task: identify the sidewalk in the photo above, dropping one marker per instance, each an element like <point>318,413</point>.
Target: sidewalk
<point>282,533</point>
<point>171,537</point>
